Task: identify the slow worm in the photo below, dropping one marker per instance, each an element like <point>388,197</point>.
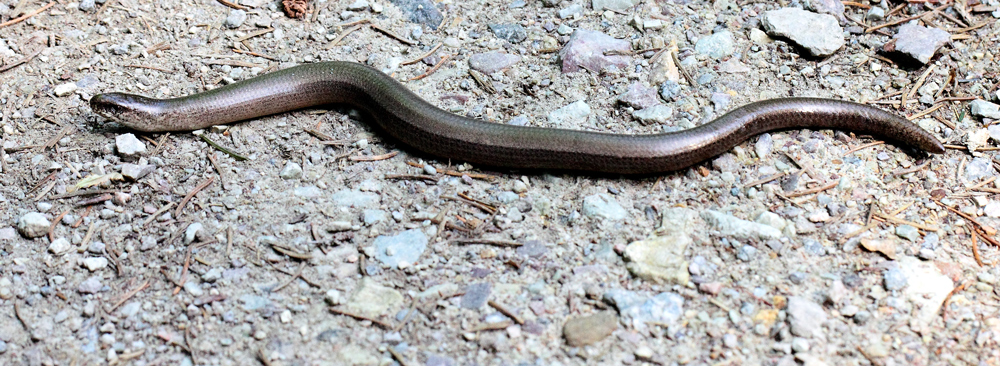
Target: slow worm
<point>417,123</point>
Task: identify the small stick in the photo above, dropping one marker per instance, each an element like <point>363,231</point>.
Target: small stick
<point>904,20</point>
<point>374,157</point>
<point>491,326</point>
<point>947,299</point>
<point>425,55</point>
<point>149,68</point>
<point>975,248</point>
<point>505,311</point>
<point>990,231</point>
<point>290,280</point>
<point>233,5</point>
<point>343,34</point>
<point>157,213</point>
<point>409,314</point>
<point>865,146</point>
<point>925,112</point>
<point>52,227</point>
<point>94,200</point>
<point>913,169</point>
<point>688,77</point>
<point>455,173</point>
<point>20,62</point>
<point>20,317</point>
<point>163,139</point>
<point>765,180</point>
<point>432,69</point>
<point>291,253</point>
<point>397,356</point>
<point>413,177</point>
<point>180,207</point>
<point>814,190</point>
<point>392,34</point>
<point>221,148</point>
<point>28,15</point>
<point>251,53</point>
<point>497,242</point>
<point>129,296</point>
<point>380,323</point>
<point>905,222</point>
<point>255,34</point>
<point>918,84</point>
<point>267,360</point>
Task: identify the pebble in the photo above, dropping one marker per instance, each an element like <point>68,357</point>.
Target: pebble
<point>590,329</point>
<point>135,172</point>
<point>730,226</point>
<point>90,286</point>
<point>95,263</point>
<point>253,302</point>
<point>670,90</point>
<point>212,275</point>
<point>476,295</point>
<point>513,33</point>
<point>721,101</point>
<point>532,249</point>
<point>372,299</point>
<point>718,45</point>
<point>235,18</point>
<point>291,170</point>
<point>570,11</point>
<point>983,108</point>
<point>586,49</point>
<point>60,246</point>
<point>129,146</point>
<point>191,232</point>
<point>420,11</point>
<point>63,90</point>
<point>979,168</point>
<point>358,5</point>
<point>934,287</point>
<point>819,34</point>
<point>602,205</point>
<point>371,216</point>
<point>193,288</point>
<point>8,233</point>
<point>518,121</point>
<point>800,345</point>
<point>917,42</point>
<point>907,232</point>
<point>660,259</point>
<point>894,279</point>
<point>805,317</point>
<point>33,225</point>
<point>657,114</point>
<point>439,360</point>
<point>353,198</point>
<point>400,250</point>
<point>618,5</point>
<point>491,62</point>
<point>572,113</point>
<point>87,5</point>
<point>664,308</point>
<point>639,96</point>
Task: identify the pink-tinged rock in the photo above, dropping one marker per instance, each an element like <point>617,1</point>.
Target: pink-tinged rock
<point>710,288</point>
<point>491,62</point>
<point>585,50</point>
<point>640,96</point>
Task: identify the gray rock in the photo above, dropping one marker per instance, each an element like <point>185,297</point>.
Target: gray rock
<point>746,253</point>
<point>439,360</point>
<point>590,329</point>
<point>730,226</point>
<point>135,172</point>
<point>235,18</point>
<point>664,308</point>
<point>352,198</point>
<point>420,11</point>
<point>60,246</point>
<point>979,168</point>
<point>193,288</point>
<point>931,288</point>
<point>87,5</point>
<point>513,33</point>
<point>492,61</point>
<point>916,42</point>
<point>128,145</point>
<point>90,286</point>
<point>572,113</point>
<point>764,145</point>
<point>603,206</point>
<point>586,48</point>
<point>8,233</point>
<point>832,7</point>
<point>721,101</point>
<point>875,14</point>
<point>358,5</point>
<point>95,263</point>
<point>372,299</point>
<point>65,89</point>
<point>532,249</point>
<point>371,217</point>
<point>726,163</point>
<point>619,5</point>
<point>33,225</point>
<point>403,247</point>
<point>253,302</point>
<point>571,11</point>
<point>657,114</point>
<point>670,90</point>
<point>717,45</point>
<point>819,34</point>
<point>805,317</point>
<point>476,295</point>
<point>291,170</point>
<point>212,275</point>
<point>518,121</point>
<point>986,109</point>
<point>191,232</point>
<point>639,96</point>
<point>307,192</point>
<point>907,232</point>
<point>894,279</point>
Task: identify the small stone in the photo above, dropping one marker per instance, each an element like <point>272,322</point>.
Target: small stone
<point>358,5</point>
<point>875,14</point>
<point>60,246</point>
<point>420,11</point>
<point>570,114</point>
<point>404,247</point>
<point>916,42</point>
<point>717,45</point>
<point>372,299</point>
<point>33,225</point>
<point>491,62</point>
<point>193,288</point>
<point>135,172</point>
<point>617,5</point>
<point>353,198</point>
<point>729,225</point>
<point>90,286</point>
<point>800,345</point>
<point>129,146</point>
<point>639,96</point>
<point>603,206</point>
<point>212,275</point>
<point>519,187</point>
<point>589,329</point>
<point>849,310</point>
<point>371,217</point>
<point>87,5</point>
<point>235,18</point>
<point>292,170</point>
<point>586,49</point>
<point>907,232</point>
<point>476,295</point>
<point>191,232</point>
<point>819,34</point>
<point>513,33</point>
<point>926,254</point>
<point>95,263</point>
<point>979,168</point>
<point>805,317</point>
<point>569,12</point>
<point>334,297</point>
<point>657,114</point>
<point>983,108</point>
<point>894,279</point>
<point>63,90</point>
<point>670,90</point>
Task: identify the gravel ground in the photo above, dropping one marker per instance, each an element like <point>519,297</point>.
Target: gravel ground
<point>332,245</point>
